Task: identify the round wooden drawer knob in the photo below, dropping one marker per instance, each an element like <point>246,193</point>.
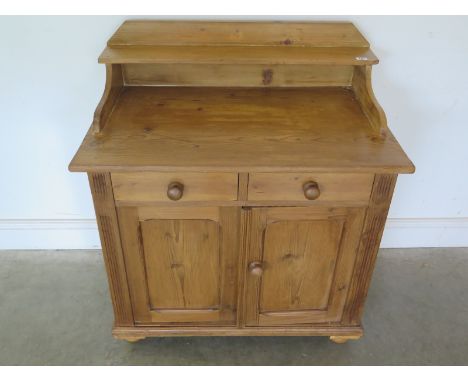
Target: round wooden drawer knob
<point>311,190</point>
<point>175,191</point>
<point>256,268</point>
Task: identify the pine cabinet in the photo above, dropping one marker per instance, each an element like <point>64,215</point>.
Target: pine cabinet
<point>241,175</point>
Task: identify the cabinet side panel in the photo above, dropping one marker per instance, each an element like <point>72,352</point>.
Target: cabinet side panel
<point>374,224</point>
<point>103,198</point>
<point>362,87</point>
<point>112,90</point>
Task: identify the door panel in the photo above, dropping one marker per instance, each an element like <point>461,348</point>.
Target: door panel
<point>299,264</point>
<point>181,264</point>
<point>182,258</point>
<point>307,256</point>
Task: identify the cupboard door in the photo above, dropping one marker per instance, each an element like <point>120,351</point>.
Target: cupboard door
<point>181,263</point>
<point>299,264</point>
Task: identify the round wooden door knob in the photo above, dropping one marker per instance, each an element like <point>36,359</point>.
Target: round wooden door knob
<point>256,268</point>
<point>311,190</point>
<point>175,191</point>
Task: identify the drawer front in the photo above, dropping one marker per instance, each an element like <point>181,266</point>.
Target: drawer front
<point>306,186</point>
<point>183,187</point>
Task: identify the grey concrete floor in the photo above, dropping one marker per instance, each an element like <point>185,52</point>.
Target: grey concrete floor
<point>55,310</point>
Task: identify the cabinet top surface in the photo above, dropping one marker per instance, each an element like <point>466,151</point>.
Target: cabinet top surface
<point>235,129</point>
<point>312,34</point>
<point>237,42</point>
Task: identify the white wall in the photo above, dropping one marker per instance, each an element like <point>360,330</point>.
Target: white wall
<point>51,83</point>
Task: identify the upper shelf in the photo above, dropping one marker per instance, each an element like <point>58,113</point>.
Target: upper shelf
<point>196,33</point>
<point>168,42</point>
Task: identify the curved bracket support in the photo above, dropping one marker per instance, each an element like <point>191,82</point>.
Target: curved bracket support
<point>112,90</point>
<point>362,86</point>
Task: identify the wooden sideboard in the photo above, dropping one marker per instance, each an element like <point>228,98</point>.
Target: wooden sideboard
<point>241,175</point>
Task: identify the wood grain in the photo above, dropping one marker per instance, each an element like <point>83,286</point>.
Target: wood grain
<point>362,87</point>
<point>238,55</point>
<point>206,316</point>
<point>182,270</point>
<point>299,259</point>
<point>224,33</point>
<point>146,212</point>
<point>187,331</point>
<point>101,189</point>
<point>241,174</point>
<point>201,42</point>
<point>243,257</point>
<point>182,263</point>
<point>328,250</point>
<point>243,187</point>
<point>112,90</point>
<point>371,235</point>
<point>289,186</point>
<point>256,225</point>
<point>236,75</point>
<point>142,187</point>
<point>130,234</point>
<point>229,251</point>
<point>246,203</point>
<point>239,130</point>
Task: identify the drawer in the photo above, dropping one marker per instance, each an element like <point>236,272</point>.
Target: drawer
<point>307,186</point>
<point>173,187</point>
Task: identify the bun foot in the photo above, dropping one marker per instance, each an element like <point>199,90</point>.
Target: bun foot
<point>131,338</point>
<point>343,339</point>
